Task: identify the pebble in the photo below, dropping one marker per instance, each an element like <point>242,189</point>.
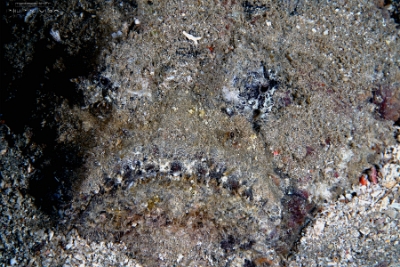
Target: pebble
<point>384,203</point>
<point>391,213</point>
<point>395,206</point>
<point>13,261</point>
<point>365,230</point>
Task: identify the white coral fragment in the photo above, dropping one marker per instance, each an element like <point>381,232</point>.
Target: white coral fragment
<point>319,226</point>
<point>56,35</point>
<point>31,14</point>
<point>191,37</point>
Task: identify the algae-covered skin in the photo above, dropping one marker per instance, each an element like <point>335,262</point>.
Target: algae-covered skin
<point>211,130</point>
<point>235,136</point>
<point>288,81</point>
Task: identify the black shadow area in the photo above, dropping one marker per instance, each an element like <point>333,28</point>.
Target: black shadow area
<point>29,99</point>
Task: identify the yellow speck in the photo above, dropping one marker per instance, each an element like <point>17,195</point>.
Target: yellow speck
<point>202,113</point>
<point>253,136</point>
<point>118,142</point>
<point>229,171</point>
<point>152,202</point>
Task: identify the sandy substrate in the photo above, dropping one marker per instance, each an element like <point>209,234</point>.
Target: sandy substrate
<point>199,133</point>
